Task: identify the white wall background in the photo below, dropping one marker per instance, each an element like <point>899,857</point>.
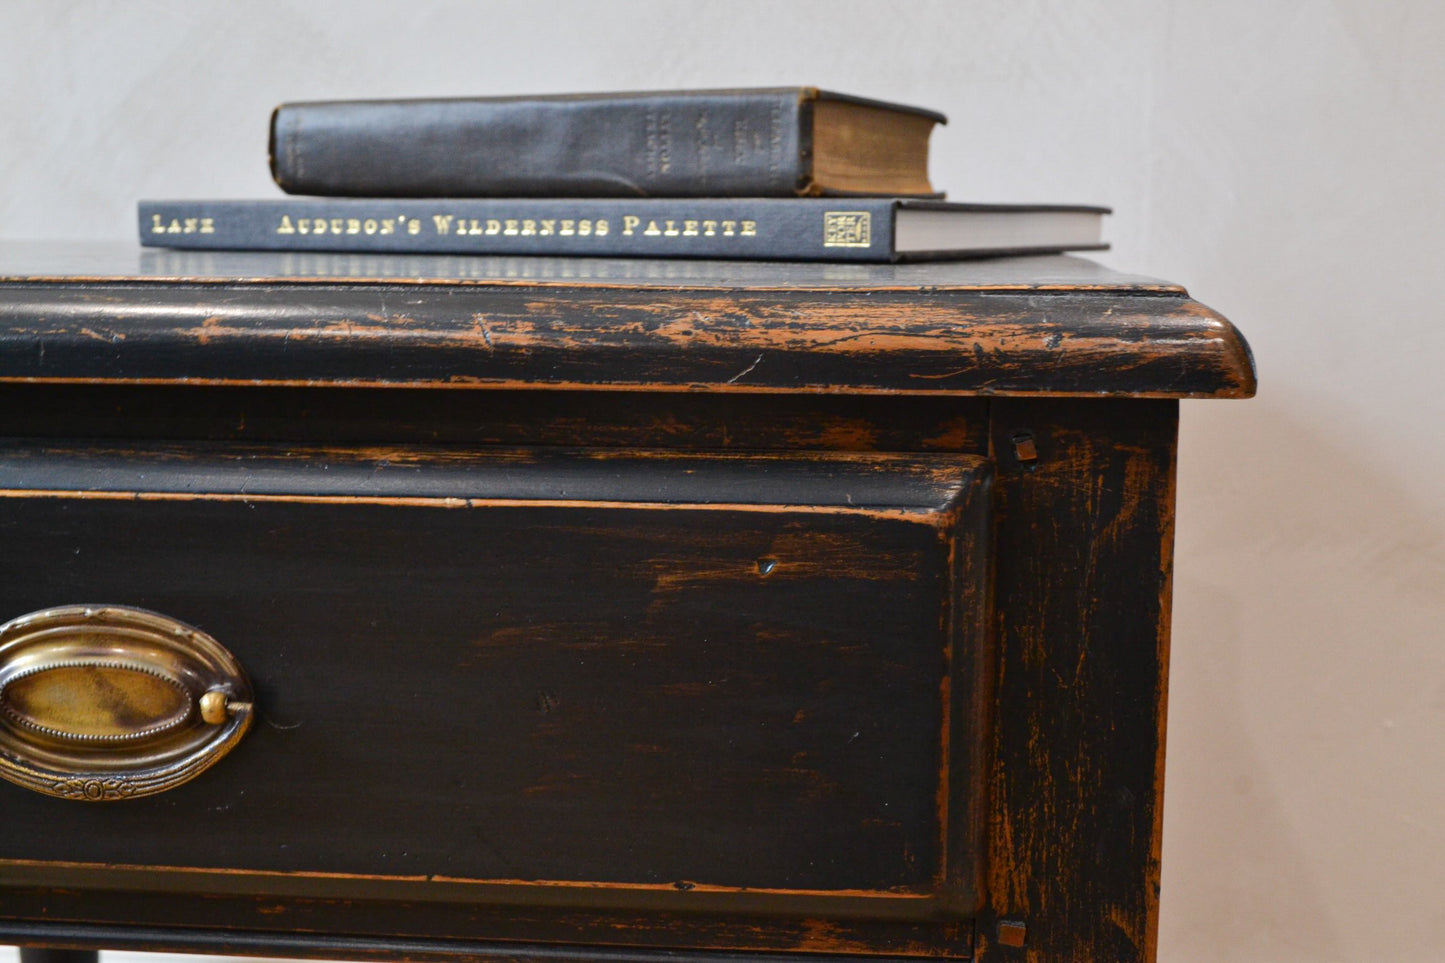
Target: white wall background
<point>1280,157</point>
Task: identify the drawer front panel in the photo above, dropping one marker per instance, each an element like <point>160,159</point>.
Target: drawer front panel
<point>723,698</point>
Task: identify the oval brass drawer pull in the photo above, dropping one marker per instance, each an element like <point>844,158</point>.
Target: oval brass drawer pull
<point>102,702</point>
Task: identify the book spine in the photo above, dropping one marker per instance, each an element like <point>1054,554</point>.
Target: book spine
<point>725,144</point>
<point>803,229</point>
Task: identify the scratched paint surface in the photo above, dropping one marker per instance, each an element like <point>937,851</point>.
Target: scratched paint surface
<point>421,669</point>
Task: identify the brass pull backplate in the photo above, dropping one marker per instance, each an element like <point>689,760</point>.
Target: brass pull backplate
<point>103,702</point>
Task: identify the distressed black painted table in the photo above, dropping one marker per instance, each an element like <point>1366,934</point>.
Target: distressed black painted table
<point>559,609</point>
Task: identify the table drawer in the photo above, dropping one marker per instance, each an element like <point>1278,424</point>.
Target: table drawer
<point>587,697</point>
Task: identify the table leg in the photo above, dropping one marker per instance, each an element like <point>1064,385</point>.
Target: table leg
<point>35,955</point>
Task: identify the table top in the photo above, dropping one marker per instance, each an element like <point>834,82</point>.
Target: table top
<point>1001,326</point>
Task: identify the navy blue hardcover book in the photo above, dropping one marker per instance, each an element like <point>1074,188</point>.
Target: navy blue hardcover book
<point>803,229</point>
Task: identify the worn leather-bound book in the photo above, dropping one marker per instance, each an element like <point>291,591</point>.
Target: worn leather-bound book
<point>777,142</point>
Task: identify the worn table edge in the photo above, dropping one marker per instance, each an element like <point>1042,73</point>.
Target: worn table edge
<point>1069,328</point>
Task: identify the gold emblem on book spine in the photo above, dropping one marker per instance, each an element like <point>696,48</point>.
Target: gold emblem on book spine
<point>847,229</point>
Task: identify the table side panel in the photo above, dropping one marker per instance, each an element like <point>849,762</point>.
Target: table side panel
<point>1084,537</point>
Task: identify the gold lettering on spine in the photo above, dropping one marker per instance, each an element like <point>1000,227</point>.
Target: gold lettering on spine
<point>182,225</point>
<point>631,225</point>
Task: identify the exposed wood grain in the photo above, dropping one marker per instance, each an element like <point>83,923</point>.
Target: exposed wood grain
<point>968,694</point>
<point>1083,541</point>
<point>929,342</point>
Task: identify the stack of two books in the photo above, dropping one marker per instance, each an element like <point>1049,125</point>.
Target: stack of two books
<point>788,174</point>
